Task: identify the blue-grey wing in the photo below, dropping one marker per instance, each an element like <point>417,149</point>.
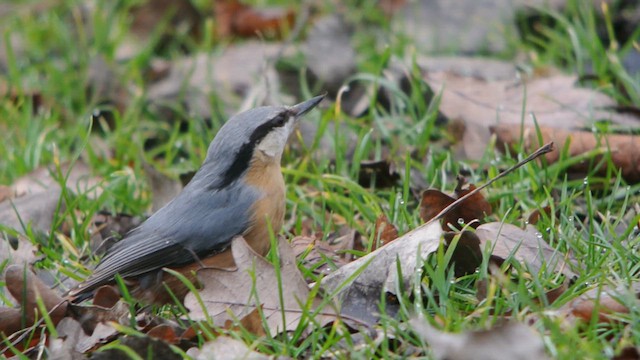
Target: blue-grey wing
<point>198,222</point>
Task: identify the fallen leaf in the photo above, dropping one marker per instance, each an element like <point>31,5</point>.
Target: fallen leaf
<point>41,180</point>
<point>464,26</point>
<point>106,296</point>
<point>390,7</point>
<point>234,294</point>
<point>101,334</point>
<point>92,317</point>
<point>252,323</point>
<point>26,288</point>
<point>329,54</point>
<point>63,347</point>
<point>604,302</point>
<point>36,196</point>
<point>236,18</point>
<point>471,211</point>
<point>146,347</point>
<point>232,77</point>
<point>165,333</point>
<point>536,214</point>
<point>380,174</point>
<point>624,150</point>
<point>106,86</point>
<point>628,353</point>
<point>17,250</point>
<point>181,14</point>
<point>378,272</point>
<point>322,257</point>
<point>36,211</point>
<point>467,256</point>
<point>507,341</point>
<point>526,246</point>
<point>385,232</point>
<point>224,347</point>
<point>555,101</point>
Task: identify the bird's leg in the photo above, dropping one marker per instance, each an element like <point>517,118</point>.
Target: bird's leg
<point>196,258</point>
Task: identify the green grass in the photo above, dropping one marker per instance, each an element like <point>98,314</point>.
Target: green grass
<point>54,65</point>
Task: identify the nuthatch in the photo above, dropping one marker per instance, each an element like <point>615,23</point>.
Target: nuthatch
<point>239,190</point>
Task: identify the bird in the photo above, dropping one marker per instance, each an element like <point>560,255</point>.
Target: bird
<point>238,191</point>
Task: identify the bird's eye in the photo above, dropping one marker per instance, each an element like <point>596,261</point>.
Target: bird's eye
<point>279,120</point>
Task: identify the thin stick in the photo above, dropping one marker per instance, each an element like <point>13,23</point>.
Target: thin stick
<point>541,151</point>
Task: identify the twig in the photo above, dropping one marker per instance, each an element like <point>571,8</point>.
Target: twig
<point>541,151</point>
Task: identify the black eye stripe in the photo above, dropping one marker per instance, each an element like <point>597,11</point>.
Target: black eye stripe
<point>280,120</point>
<point>243,157</point>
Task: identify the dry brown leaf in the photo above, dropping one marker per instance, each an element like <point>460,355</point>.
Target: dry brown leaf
<point>107,296</point>
<point>234,294</point>
<point>381,173</point>
<point>471,211</point>
<point>91,317</point>
<point>505,342</point>
<point>623,149</point>
<point>224,347</point>
<point>526,246</point>
<point>385,232</point>
<point>149,13</point>
<point>359,298</point>
<point>390,7</point>
<point>604,302</point>
<point>628,353</point>
<point>26,288</point>
<point>467,255</point>
<point>555,101</point>
<point>536,214</point>
<point>251,323</point>
<point>165,333</point>
<point>235,18</point>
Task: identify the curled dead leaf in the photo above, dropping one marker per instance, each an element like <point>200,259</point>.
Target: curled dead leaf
<point>471,211</point>
<point>624,150</point>
<point>27,288</point>
<point>385,232</point>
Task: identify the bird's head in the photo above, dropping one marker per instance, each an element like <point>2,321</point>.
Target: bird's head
<point>261,131</point>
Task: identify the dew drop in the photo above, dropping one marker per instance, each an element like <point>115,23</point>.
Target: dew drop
<point>460,221</point>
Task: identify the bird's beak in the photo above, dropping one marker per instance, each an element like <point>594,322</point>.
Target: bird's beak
<point>306,106</point>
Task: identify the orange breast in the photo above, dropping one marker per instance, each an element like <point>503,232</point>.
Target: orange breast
<point>264,174</point>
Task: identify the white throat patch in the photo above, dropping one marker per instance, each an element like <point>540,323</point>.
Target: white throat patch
<point>273,143</point>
